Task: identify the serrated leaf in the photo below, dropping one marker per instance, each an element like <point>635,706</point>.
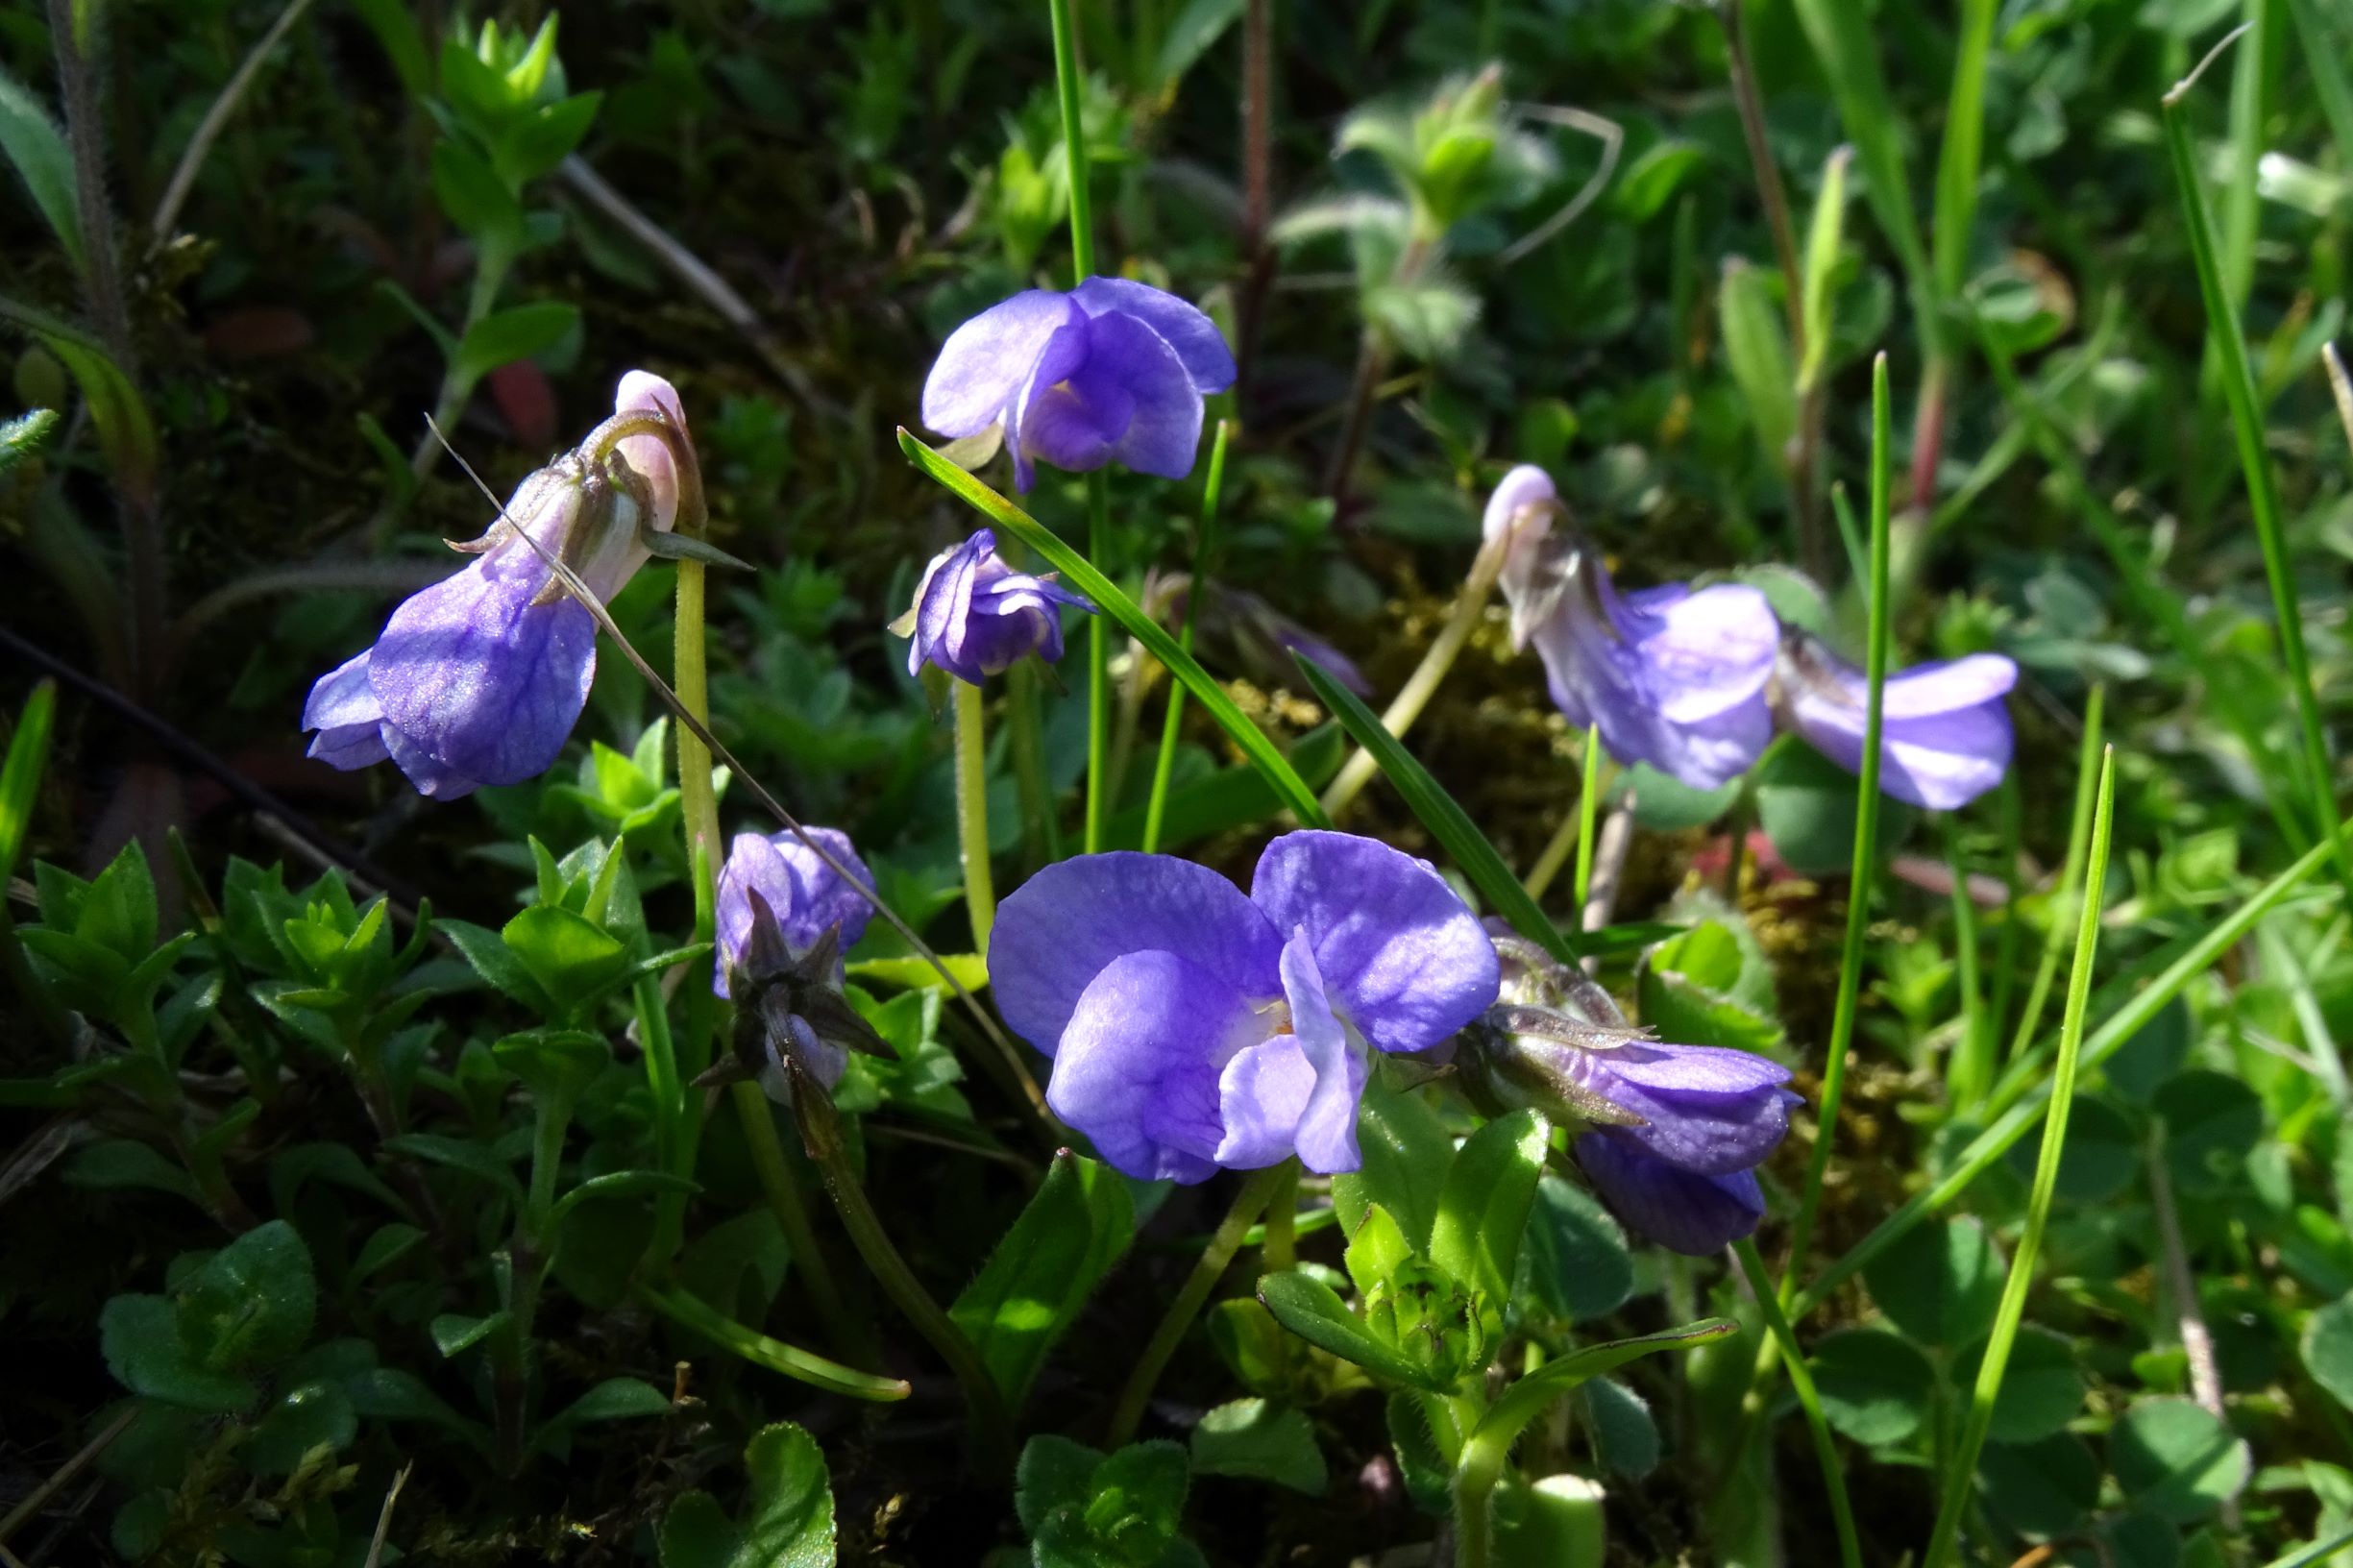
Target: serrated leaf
<point>1262,1441</point>
<point>1313,1311</point>
<point>1483,1210</point>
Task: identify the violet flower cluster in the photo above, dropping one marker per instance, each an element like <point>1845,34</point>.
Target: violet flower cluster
<point>1673,1132</point>
<point>1693,682</point>
<point>1193,1028</point>
<point>975,617</point>
<point>479,678</point>
<point>1113,371</point>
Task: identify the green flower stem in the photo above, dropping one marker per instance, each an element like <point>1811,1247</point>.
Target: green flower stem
<point>1041,833</point>
<point>973,813</point>
<point>671,1113</point>
<point>1098,671</point>
<point>1258,1190</point>
<point>812,1264</point>
<point>821,1132</point>
<point>527,1259</point>
<point>1163,766</point>
<point>683,1307</point>
<point>2070,877</point>
<point>1589,786</point>
<point>1866,841</point>
<point>1074,139</point>
<point>1809,1401</point>
<point>1423,684</point>
<point>1960,1472</point>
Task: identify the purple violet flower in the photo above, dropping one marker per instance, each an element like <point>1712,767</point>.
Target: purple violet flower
<point>807,897</point>
<point>1673,678</point>
<point>1113,371</point>
<point>479,678</point>
<point>975,617</point>
<point>1193,1028</point>
<point>1944,736</point>
<point>1675,1133</point>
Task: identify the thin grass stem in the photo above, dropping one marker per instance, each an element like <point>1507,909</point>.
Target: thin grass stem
<point>1809,1402</point>
<point>1164,765</point>
<point>1960,1472</point>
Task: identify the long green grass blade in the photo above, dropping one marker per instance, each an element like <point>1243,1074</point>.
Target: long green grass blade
<point>2088,769</point>
<point>2323,54</point>
<point>20,776</point>
<point>1961,1470</point>
<point>1959,164</point>
<point>1841,34</point>
<point>1080,573</point>
<point>1989,1145</point>
<point>1446,821</point>
<point>1809,1402</point>
<point>1866,833</point>
<point>2229,342</point>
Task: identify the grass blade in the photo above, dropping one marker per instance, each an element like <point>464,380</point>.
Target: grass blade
<point>1809,1402</point>
<point>1989,1145</point>
<point>1100,591</point>
<point>1445,820</point>
<point>2229,343</point>
<point>2088,769</point>
<point>1961,1471</point>
<point>1958,165</point>
<point>1866,833</point>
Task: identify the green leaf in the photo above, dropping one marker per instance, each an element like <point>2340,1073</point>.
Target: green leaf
<point>1375,1251</point>
<point>571,957</point>
<point>788,1522</point>
<point>1876,1386</point>
<point>518,333</point>
<point>1941,1284</point>
<point>1527,1399</point>
<point>534,145</point>
<point>1841,36</point>
<point>126,429</point>
<point>615,1399</point>
<point>454,1333</point>
<point>2042,1488</point>
<point>1199,25</point>
<point>1483,1207</point>
<point>1624,1429</point>
<point>2212,1123</point>
<point>395,29</point>
<point>139,1337</point>
<point>1807,805</point>
<point>1438,811</point>
<point>555,1063</point>
<point>306,1417</point>
<point>251,1305</point>
<point>1574,1261</point>
<point>1262,1441</point>
<point>1040,1276</point>
<point>619,1184</point>
<point>1756,349</point>
<point>1313,1311</point>
<point>118,1164</point>
<point>1053,1474</point>
<point>971,970</point>
<point>2176,1460</point>
<point>1406,1151</point>
<point>460,1154</point>
<point>495,961</point>
<point>35,144</point>
<point>1823,240</point>
<point>20,776</point>
<point>475,199</point>
<point>1081,575</point>
<point>2041,1390</point>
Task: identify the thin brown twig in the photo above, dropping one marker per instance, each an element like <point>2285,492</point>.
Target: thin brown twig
<point>38,1498</point>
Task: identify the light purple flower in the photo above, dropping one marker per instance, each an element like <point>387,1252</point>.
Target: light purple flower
<point>1193,1028</point>
<point>1113,371</point>
<point>479,678</point>
<point>1680,1209</point>
<point>975,617</point>
<point>807,897</point>
<point>1945,736</point>
<point>1672,677</point>
<point>1519,521</point>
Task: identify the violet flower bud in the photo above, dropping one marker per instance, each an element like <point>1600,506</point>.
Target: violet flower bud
<point>1193,1028</point>
<point>807,897</point>
<point>1944,735</point>
<point>479,678</point>
<point>783,917</point>
<point>1672,677</point>
<point>1113,371</point>
<point>975,617</point>
<point>1674,1132</point>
